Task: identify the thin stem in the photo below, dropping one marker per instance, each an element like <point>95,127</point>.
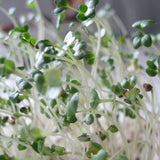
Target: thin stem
<point>9,16</point>
<point>6,112</point>
<point>94,69</point>
<point>156,49</point>
<point>15,140</point>
<point>153,105</point>
<point>126,146</point>
<point>41,25</point>
<point>73,9</point>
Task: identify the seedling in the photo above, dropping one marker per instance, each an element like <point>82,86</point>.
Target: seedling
<point>84,96</point>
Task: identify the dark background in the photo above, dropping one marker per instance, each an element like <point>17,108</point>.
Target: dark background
<point>128,10</point>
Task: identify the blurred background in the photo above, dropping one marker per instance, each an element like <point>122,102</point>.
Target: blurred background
<point>129,11</point>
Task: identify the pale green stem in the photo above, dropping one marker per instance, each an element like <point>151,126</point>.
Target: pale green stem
<point>126,146</point>
<point>6,112</point>
<point>94,68</point>
<point>9,16</point>
<point>41,24</point>
<point>15,140</point>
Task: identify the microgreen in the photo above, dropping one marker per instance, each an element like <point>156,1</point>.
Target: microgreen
<point>84,137</point>
<point>93,149</point>
<point>89,119</point>
<point>101,155</point>
<point>87,94</point>
<point>113,128</point>
<point>142,24</point>
<point>94,99</point>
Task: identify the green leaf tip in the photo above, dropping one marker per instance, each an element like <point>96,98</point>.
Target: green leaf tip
<point>142,24</point>
<point>101,155</point>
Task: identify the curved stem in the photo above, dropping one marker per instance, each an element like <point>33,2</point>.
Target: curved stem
<point>9,16</point>
<point>94,69</point>
<point>41,25</point>
<point>128,145</point>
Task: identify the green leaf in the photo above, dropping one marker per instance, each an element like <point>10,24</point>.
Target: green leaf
<point>108,61</point>
<point>94,98</point>
<point>122,157</point>
<point>137,42</point>
<point>133,91</point>
<point>146,40</point>
<point>31,4</point>
<point>79,48</point>
<point>69,38</point>
<point>46,151</point>
<point>93,149</point>
<point>81,17</point>
<point>59,150</point>
<point>89,119</point>
<point>53,77</point>
<point>34,72</point>
<point>131,99</point>
<point>58,10</point>
<point>38,144</point>
<point>2,60</point>
<point>21,147</point>
<point>89,57</point>
<point>73,89</point>
<point>142,24</point>
<point>22,28</point>
<point>14,96</point>
<point>53,102</point>
<point>129,83</point>
<point>117,89</point>
<point>42,110</point>
<point>129,112</point>
<point>90,13</point>
<point>49,50</point>
<point>22,68</point>
<point>60,19</point>
<point>71,119</point>
<point>151,65</point>
<point>106,40</point>
<point>42,44</point>
<point>113,128</point>
<point>102,136</point>
<point>23,85</point>
<point>33,41</point>
<point>72,105</point>
<point>17,115</point>
<point>84,137</point>
<point>101,155</point>
<point>145,23</point>
<point>77,35</point>
<point>9,67</point>
<point>35,133</point>
<point>133,81</point>
<point>40,83</point>
<point>126,84</point>
<point>7,157</point>
<point>26,36</point>
<point>151,72</point>
<point>61,3</point>
<point>83,8</point>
